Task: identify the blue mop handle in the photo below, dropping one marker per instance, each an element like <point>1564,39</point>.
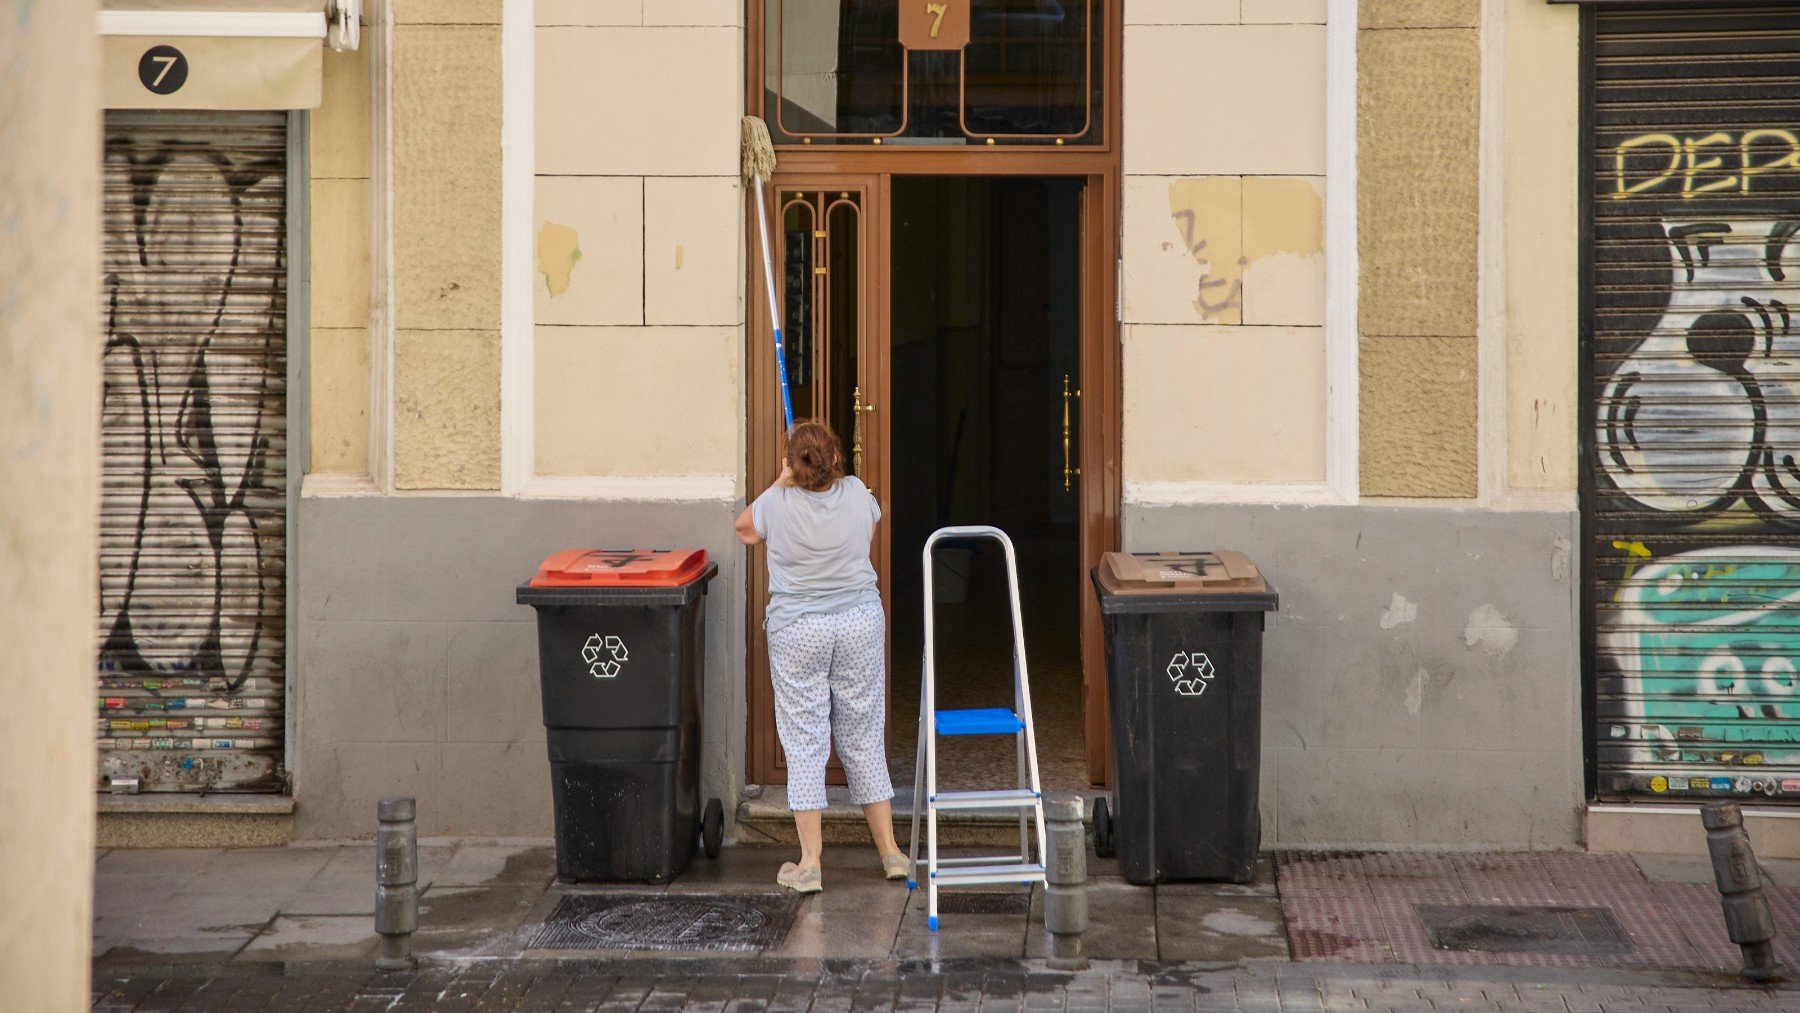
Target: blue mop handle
<point>762,218</point>
<point>787,400</point>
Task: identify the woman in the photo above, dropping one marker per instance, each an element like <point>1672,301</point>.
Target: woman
<point>827,642</point>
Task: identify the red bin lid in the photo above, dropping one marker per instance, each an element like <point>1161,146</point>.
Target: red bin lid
<point>621,568</point>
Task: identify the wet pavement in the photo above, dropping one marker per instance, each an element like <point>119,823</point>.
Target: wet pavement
<point>490,898</point>
<point>292,928</point>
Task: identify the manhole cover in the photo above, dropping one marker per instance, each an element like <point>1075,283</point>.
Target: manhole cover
<point>661,921</point>
<point>1493,928</point>
<point>950,903</point>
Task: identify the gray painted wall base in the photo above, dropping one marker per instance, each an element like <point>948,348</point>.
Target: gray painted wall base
<point>1421,682</point>
<point>418,674</point>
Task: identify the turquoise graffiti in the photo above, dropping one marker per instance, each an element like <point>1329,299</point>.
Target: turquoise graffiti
<point>1713,633</point>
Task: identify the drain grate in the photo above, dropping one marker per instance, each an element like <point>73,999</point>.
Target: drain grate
<point>1494,928</point>
<point>958,903</point>
<point>662,921</point>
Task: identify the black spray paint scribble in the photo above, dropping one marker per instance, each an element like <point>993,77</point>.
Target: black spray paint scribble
<point>193,401</point>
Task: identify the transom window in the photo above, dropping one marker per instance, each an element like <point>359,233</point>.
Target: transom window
<point>983,72</point>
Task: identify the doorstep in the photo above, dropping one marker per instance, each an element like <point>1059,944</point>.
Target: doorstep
<point>1618,828</point>
<point>194,821</point>
<point>764,819</point>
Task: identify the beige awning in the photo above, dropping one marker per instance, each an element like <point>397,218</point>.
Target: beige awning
<point>213,54</point>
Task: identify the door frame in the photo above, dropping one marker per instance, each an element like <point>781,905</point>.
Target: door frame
<point>1101,412</point>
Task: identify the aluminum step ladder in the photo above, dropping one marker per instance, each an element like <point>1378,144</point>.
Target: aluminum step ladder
<point>1027,798</point>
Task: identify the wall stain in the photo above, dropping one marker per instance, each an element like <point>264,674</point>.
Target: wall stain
<point>558,248</point>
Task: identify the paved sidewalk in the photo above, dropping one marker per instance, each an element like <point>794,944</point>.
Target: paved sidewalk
<point>484,898</point>
<point>292,928</point>
<point>756,985</point>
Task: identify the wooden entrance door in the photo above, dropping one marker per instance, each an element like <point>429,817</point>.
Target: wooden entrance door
<point>832,241</point>
<point>829,238</point>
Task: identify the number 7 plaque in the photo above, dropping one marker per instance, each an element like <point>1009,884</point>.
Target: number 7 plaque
<point>934,24</point>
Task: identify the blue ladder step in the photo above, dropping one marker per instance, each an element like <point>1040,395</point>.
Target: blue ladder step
<point>985,721</point>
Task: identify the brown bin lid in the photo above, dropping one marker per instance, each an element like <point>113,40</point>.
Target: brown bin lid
<point>1190,574</point>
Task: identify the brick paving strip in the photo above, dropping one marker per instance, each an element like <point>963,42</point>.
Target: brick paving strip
<point>757,984</point>
<point>1365,908</point>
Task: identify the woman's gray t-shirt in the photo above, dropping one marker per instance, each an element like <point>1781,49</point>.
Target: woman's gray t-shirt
<point>818,549</point>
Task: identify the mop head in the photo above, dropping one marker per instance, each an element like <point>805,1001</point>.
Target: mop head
<point>759,151</point>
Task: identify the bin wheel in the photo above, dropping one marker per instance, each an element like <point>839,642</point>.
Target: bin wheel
<point>712,827</point>
<point>1103,828</point>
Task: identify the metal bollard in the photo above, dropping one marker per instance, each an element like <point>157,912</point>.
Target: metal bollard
<point>1065,883</point>
<point>396,882</point>
<point>1747,919</point>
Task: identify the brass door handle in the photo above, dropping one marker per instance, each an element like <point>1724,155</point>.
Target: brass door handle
<point>1070,472</point>
<point>857,411</point>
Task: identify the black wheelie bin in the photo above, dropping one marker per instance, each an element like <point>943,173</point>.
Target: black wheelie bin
<point>1184,685</point>
<point>621,657</point>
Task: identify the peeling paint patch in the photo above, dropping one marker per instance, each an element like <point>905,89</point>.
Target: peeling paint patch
<point>1559,561</point>
<point>558,249</point>
<point>1489,630</point>
<point>1399,612</point>
<point>680,255</point>
<point>1415,691</point>
<point>1283,215</point>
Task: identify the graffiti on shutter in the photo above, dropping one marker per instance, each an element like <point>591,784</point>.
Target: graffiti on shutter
<point>194,451</point>
<point>1693,472</point>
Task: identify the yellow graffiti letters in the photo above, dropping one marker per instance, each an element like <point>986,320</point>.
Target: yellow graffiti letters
<point>1623,153</point>
<point>1715,161</point>
<point>1789,159</point>
<point>1695,165</point>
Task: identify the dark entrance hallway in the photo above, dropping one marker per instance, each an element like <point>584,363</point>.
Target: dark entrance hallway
<point>986,331</point>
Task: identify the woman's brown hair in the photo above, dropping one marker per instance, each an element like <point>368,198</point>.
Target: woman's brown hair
<point>815,455</point>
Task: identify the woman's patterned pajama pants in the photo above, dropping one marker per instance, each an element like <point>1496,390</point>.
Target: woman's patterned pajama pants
<point>829,675</point>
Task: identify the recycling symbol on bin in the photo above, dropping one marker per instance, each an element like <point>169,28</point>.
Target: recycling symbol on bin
<point>604,656</point>
<point>1191,673</point>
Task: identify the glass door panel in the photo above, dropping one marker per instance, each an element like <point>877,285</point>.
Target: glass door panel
<point>826,247</point>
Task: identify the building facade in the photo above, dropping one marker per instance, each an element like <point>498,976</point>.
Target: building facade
<point>1378,293</point>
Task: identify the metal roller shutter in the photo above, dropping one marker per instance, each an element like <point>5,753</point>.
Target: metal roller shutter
<point>1692,471</point>
<point>194,432</point>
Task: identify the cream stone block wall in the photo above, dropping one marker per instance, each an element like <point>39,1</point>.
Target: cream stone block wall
<point>446,176</point>
<point>639,400</point>
<point>1203,99</point>
<point>340,252</point>
<point>589,12</point>
<point>1182,12</point>
<point>339,282</point>
<point>1223,241</point>
<point>1543,163</point>
<point>1212,403</point>
<point>638,367</point>
<point>590,250</point>
<point>693,267</point>
<point>446,409</point>
<point>446,12</point>
<point>1284,250</point>
<point>1284,12</point>
<point>50,381</point>
<point>340,400</point>
<point>639,101</point>
<point>1418,231</point>
<point>446,243</point>
<point>341,137</point>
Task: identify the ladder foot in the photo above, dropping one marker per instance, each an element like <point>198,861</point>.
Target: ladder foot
<point>931,923</point>
<point>910,885</point>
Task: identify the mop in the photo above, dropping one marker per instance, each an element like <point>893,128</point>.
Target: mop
<point>759,168</point>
